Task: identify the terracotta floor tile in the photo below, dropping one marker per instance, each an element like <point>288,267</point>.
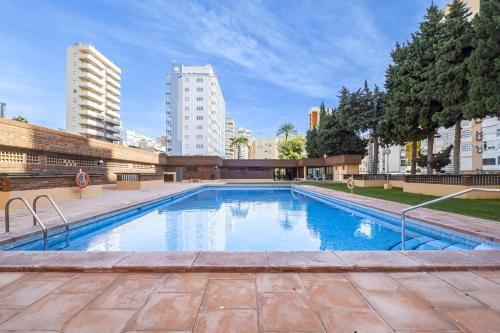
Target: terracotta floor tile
<point>222,294</point>
<point>466,281</point>
<point>88,283</point>
<point>278,282</point>
<point>88,260</point>
<point>126,293</point>
<point>101,320</point>
<point>334,294</point>
<point>227,321</point>
<point>287,312</point>
<point>490,275</point>
<point>233,276</point>
<point>171,260</point>
<point>8,278</point>
<point>185,283</point>
<point>300,259</point>
<point>375,259</point>
<point>157,331</point>
<point>7,314</point>
<point>489,297</point>
<point>50,313</point>
<point>435,291</point>
<point>373,281</point>
<point>474,320</point>
<point>168,311</point>
<point>27,291</point>
<point>354,321</point>
<point>447,258</point>
<point>223,260</point>
<point>405,311</point>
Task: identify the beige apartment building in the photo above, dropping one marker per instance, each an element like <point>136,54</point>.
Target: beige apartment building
<point>92,94</point>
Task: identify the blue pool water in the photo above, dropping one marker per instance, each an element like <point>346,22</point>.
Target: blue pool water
<point>252,219</point>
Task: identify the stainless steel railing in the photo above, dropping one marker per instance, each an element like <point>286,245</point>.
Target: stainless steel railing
<point>36,219</point>
<point>53,205</point>
<point>427,203</point>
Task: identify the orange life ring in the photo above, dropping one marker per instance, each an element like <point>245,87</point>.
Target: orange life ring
<point>82,179</point>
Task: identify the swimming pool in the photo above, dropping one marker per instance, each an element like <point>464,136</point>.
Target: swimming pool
<point>253,218</point>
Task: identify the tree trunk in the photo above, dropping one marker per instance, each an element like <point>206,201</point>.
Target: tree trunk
<point>456,148</point>
<point>375,155</point>
<point>414,157</point>
<point>430,150</point>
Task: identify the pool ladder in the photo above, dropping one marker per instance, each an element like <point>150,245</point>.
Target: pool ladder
<point>36,218</point>
<point>430,202</point>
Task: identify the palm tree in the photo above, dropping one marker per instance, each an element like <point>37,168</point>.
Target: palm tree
<point>237,142</point>
<point>286,129</point>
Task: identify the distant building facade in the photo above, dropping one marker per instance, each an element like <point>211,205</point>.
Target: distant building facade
<point>195,112</point>
<point>243,153</point>
<point>265,148</point>
<point>92,94</point>
<point>315,115</point>
<point>229,135</point>
<point>3,110</point>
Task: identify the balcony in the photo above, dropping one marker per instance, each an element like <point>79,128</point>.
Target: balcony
<point>112,106</point>
<point>92,96</point>
<point>112,121</point>
<point>91,104</point>
<point>113,75</point>
<point>113,83</point>
<point>91,86</point>
<point>113,98</point>
<point>112,137</point>
<point>113,90</point>
<point>113,129</point>
<point>91,68</point>
<point>91,123</point>
<point>112,113</point>
<point>93,132</point>
<point>93,114</point>
<point>89,58</point>
<point>91,77</point>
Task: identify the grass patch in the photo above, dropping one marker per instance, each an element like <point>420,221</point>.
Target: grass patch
<point>483,208</point>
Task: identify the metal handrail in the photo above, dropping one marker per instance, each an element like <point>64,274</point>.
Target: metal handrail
<point>53,205</point>
<point>35,217</point>
<point>430,202</point>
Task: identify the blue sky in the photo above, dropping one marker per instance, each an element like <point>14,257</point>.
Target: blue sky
<point>274,59</point>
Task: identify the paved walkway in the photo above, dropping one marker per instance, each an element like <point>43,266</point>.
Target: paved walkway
<point>247,302</point>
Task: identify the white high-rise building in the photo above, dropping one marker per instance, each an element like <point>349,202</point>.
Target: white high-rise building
<point>195,112</point>
<point>229,133</point>
<point>92,94</point>
<point>3,110</point>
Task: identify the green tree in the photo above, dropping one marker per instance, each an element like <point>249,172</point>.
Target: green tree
<point>402,116</point>
<point>21,119</point>
<point>336,139</point>
<point>237,143</point>
<point>292,149</point>
<point>425,42</point>
<point>439,161</point>
<point>286,129</point>
<point>312,146</point>
<point>453,51</point>
<point>484,63</point>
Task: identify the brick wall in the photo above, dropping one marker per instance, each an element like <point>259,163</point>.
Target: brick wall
<point>35,183</point>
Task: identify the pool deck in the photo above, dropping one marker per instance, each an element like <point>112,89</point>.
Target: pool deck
<point>307,261</point>
<point>251,302</point>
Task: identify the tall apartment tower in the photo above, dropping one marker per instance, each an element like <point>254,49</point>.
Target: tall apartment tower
<point>229,133</point>
<point>195,112</point>
<point>92,94</point>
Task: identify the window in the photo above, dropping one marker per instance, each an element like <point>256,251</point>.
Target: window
<point>498,131</point>
<point>199,137</point>
<point>199,127</point>
<point>199,117</point>
<point>186,79</point>
<point>186,127</point>
<point>199,79</point>
<point>186,108</point>
<point>186,136</point>
<point>199,89</point>
<point>466,147</point>
<point>199,108</point>
<point>186,145</point>
<point>199,146</point>
<point>402,163</point>
<point>186,89</point>
<point>199,99</point>
<point>488,161</point>
<point>186,117</point>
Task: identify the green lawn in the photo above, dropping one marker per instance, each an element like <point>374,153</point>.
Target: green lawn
<point>484,208</point>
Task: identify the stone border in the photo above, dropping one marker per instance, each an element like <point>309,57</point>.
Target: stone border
<point>303,261</point>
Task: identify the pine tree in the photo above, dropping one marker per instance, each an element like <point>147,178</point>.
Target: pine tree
<point>453,51</point>
<point>312,147</point>
<point>484,63</point>
<point>427,100</point>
